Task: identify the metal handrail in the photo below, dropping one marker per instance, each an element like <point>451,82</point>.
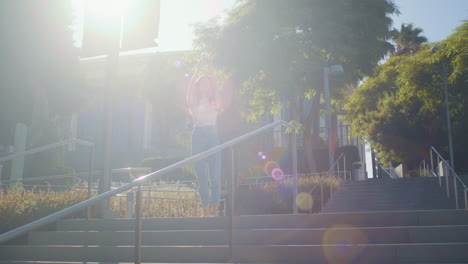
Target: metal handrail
<point>139,181</point>
<point>455,178</point>
<point>48,178</point>
<point>56,145</point>
<point>47,147</point>
<point>76,174</point>
<point>388,173</point>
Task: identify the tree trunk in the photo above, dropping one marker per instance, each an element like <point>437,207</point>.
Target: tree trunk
<point>311,126</point>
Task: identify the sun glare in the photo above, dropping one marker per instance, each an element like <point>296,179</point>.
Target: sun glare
<point>105,8</point>
<point>177,16</point>
<point>106,16</point>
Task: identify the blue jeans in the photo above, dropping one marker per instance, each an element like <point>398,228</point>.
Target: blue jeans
<point>208,169</point>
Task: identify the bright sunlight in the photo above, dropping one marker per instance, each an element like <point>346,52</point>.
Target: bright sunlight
<point>107,17</point>
<point>176,18</point>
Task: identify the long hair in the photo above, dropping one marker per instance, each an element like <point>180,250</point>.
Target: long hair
<point>211,91</point>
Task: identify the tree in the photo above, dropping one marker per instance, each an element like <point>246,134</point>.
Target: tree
<point>407,40</point>
<point>39,70</point>
<point>277,50</point>
<point>400,108</point>
<point>39,63</point>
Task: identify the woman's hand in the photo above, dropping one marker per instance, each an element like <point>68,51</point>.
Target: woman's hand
<point>206,61</point>
<point>204,57</point>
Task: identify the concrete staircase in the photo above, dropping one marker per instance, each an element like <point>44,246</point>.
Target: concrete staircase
<point>438,236</point>
<point>375,221</point>
<point>418,193</point>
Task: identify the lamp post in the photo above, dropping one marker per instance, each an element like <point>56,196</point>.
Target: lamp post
<point>326,72</point>
<point>447,110</point>
<point>123,25</point>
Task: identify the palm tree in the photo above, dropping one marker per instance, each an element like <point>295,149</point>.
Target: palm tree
<point>407,40</point>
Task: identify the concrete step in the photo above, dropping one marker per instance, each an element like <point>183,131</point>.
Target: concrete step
<point>322,220</point>
<point>377,201</point>
<point>343,252</point>
<point>369,204</point>
<point>391,194</point>
<point>311,236</point>
<point>400,180</point>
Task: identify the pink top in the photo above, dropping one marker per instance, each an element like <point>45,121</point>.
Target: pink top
<point>204,114</point>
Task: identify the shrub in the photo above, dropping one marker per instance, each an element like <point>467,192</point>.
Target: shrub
<point>277,197</point>
<point>153,206</point>
<point>19,206</point>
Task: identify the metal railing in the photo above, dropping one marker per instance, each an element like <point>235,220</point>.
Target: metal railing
<point>390,174</point>
<point>49,147</point>
<point>450,172</point>
<point>423,168</point>
<point>333,172</point>
<point>138,182</point>
<point>29,182</point>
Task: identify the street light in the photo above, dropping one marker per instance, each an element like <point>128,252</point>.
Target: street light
<point>326,72</point>
<point>447,110</point>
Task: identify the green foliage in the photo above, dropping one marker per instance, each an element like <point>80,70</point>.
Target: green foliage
<point>261,98</point>
<point>20,206</point>
<point>288,39</point>
<point>407,39</point>
<point>276,50</point>
<point>401,108</point>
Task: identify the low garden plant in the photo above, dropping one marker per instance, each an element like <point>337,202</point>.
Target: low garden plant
<point>19,206</point>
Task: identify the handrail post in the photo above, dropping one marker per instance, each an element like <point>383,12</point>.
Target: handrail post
<point>294,160</point>
<point>232,206</point>
<point>130,200</point>
<point>432,168</point>
<point>90,171</point>
<point>338,168</point>
<point>138,226</point>
<point>2,185</point>
<point>465,191</point>
<point>446,174</point>
<point>90,177</point>
<point>321,194</point>
<point>455,191</point>
<point>344,167</point>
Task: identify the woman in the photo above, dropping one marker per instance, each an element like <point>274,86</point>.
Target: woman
<point>204,105</point>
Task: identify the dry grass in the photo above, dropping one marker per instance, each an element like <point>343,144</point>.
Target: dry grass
<point>162,202</point>
<point>19,206</point>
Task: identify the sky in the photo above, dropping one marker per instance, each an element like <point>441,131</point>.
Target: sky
<point>437,18</point>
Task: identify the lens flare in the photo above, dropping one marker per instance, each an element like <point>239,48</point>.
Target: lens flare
<point>187,75</point>
<point>273,170</point>
<point>277,174</point>
<point>304,201</point>
<point>177,64</point>
<point>269,167</point>
<point>343,243</point>
<point>260,154</point>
